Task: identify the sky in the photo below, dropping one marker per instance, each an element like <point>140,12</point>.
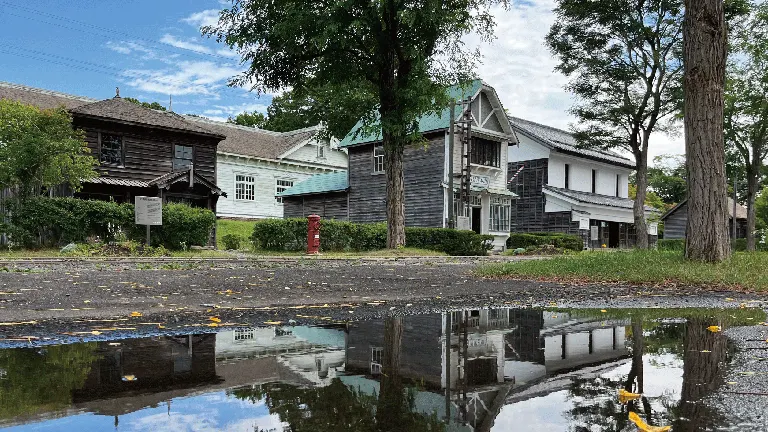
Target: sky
<point>153,50</point>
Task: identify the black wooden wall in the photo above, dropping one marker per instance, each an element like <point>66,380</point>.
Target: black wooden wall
<point>423,174</point>
<point>327,206</point>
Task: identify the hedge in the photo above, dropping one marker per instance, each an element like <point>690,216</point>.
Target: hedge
<point>558,240</point>
<point>47,222</point>
<point>340,236</point>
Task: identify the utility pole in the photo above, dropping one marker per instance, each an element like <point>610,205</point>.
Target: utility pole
<point>451,136</point>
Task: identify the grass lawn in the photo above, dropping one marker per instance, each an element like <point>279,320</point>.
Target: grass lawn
<point>242,228</point>
<point>742,271</point>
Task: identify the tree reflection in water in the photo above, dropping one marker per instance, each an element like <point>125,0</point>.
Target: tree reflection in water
<point>337,407</point>
<point>595,406</point>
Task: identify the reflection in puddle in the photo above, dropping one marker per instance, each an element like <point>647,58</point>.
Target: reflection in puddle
<point>498,369</point>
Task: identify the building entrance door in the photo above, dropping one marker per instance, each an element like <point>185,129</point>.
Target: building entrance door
<point>476,219</point>
<point>613,234</point>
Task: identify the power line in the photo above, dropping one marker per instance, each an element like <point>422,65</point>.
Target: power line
<point>103,30</point>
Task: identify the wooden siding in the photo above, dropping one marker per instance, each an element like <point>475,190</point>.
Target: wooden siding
<point>148,153</point>
<point>674,224</point>
<point>423,174</point>
<point>327,206</point>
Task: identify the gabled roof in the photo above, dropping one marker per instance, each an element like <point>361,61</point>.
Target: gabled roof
<point>595,199</point>
<point>320,183</point>
<point>43,99</point>
<point>562,141</point>
<point>427,123</point>
<point>119,109</point>
<point>254,142</point>
<point>170,178</point>
<point>741,211</point>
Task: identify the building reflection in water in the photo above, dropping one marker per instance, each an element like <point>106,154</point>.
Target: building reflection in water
<point>459,368</point>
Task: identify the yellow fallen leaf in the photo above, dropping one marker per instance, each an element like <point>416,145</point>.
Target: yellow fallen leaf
<point>625,396</point>
<point>95,332</point>
<point>714,328</point>
<point>645,427</point>
<point>213,324</point>
<point>603,310</point>
<point>135,314</point>
<point>215,319</point>
<point>17,323</point>
<point>273,322</point>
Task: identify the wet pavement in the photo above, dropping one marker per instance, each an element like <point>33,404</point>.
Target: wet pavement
<point>476,369</point>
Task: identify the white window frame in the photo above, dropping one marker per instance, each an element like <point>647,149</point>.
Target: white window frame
<point>500,218</point>
<point>282,187</point>
<point>378,159</point>
<point>249,186</point>
<point>377,357</point>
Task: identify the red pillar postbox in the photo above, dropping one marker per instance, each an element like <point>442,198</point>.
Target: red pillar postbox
<point>313,234</point>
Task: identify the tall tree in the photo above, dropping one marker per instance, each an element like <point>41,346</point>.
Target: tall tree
<point>249,119</point>
<point>667,178</point>
<point>150,105</point>
<point>746,107</point>
<point>40,149</point>
<point>705,46</point>
<point>393,58</point>
<point>623,61</point>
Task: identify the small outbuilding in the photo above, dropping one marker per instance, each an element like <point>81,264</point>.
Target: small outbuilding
<point>676,219</point>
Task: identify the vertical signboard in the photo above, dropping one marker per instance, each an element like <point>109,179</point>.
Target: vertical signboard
<point>148,211</point>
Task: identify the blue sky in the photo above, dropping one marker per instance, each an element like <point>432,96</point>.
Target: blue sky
<point>149,48</point>
<point>153,48</point>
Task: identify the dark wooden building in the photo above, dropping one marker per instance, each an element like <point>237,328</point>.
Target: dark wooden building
<point>141,151</point>
<point>676,219</point>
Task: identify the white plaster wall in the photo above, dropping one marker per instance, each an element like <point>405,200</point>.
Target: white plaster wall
<point>581,175</point>
<point>527,150</point>
<point>266,174</point>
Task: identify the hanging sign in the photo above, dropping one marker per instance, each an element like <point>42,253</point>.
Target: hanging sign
<point>480,181</point>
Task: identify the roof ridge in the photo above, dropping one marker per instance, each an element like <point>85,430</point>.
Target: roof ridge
<point>306,129</point>
<point>541,124</point>
<point>46,92</point>
<point>200,119</point>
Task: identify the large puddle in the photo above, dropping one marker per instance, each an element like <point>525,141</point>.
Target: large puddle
<point>469,370</point>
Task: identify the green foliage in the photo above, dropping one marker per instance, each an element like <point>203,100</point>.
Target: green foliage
<point>666,178</point>
<point>340,236</point>
<point>241,228</point>
<point>651,199</point>
<point>761,209</point>
<point>39,381</point>
<point>558,240</point>
<point>44,222</point>
<point>253,119</point>
<point>152,105</point>
<point>231,241</point>
<point>671,245</point>
<point>40,149</point>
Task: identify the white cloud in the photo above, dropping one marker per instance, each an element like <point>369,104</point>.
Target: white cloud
<point>521,69</point>
<point>189,44</point>
<point>184,78</point>
<point>209,17</point>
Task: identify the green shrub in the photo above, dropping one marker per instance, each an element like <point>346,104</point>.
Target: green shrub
<point>671,244</point>
<point>45,222</point>
<point>231,241</point>
<point>558,240</point>
<point>340,236</point>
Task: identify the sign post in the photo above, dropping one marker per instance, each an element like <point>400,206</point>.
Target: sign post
<point>593,235</point>
<point>149,211</point>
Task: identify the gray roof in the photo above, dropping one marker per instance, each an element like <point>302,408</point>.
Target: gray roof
<point>44,99</point>
<point>253,142</point>
<point>590,198</point>
<point>121,110</point>
<point>560,140</point>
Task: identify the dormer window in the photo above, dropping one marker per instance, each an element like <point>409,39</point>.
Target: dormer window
<point>486,152</point>
<point>110,149</point>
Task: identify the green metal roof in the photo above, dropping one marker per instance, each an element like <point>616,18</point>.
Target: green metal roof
<point>427,123</point>
<point>320,183</point>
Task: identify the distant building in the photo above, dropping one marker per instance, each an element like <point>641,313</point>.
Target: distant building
<point>676,220</point>
<point>568,189</point>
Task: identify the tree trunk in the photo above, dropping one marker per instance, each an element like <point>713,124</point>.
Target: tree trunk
<point>704,40</point>
<point>390,412</point>
<point>641,180</point>
<point>753,173</point>
<point>393,165</point>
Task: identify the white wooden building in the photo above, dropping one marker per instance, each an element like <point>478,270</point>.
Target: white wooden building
<point>253,165</point>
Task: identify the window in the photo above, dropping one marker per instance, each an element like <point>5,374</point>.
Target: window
<point>500,214</point>
<point>618,182</point>
<point>245,187</point>
<point>376,358</point>
<point>281,186</point>
<point>378,158</point>
<point>567,176</point>
<point>321,152</point>
<point>594,181</point>
<point>486,152</point>
<point>182,157</point>
<point>110,149</point>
